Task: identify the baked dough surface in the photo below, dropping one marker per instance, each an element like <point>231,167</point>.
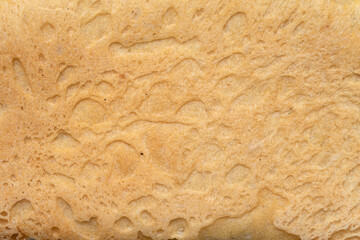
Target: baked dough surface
<point>179,119</point>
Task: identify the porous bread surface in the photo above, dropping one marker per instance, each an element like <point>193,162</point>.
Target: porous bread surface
<point>179,119</point>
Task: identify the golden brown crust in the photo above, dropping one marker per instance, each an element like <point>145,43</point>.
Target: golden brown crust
<point>179,119</point>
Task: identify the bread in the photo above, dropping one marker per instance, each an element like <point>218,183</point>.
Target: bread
<point>179,119</point>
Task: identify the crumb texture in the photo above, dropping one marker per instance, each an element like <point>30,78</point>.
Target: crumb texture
<point>179,119</point>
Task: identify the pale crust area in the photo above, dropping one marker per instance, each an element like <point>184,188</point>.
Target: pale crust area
<point>179,119</point>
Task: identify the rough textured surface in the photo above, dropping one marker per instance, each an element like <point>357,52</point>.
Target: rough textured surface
<point>179,119</point>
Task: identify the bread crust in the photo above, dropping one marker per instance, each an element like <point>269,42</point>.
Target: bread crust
<point>179,119</point>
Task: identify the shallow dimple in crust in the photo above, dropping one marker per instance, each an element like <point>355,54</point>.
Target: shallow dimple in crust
<point>179,119</point>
